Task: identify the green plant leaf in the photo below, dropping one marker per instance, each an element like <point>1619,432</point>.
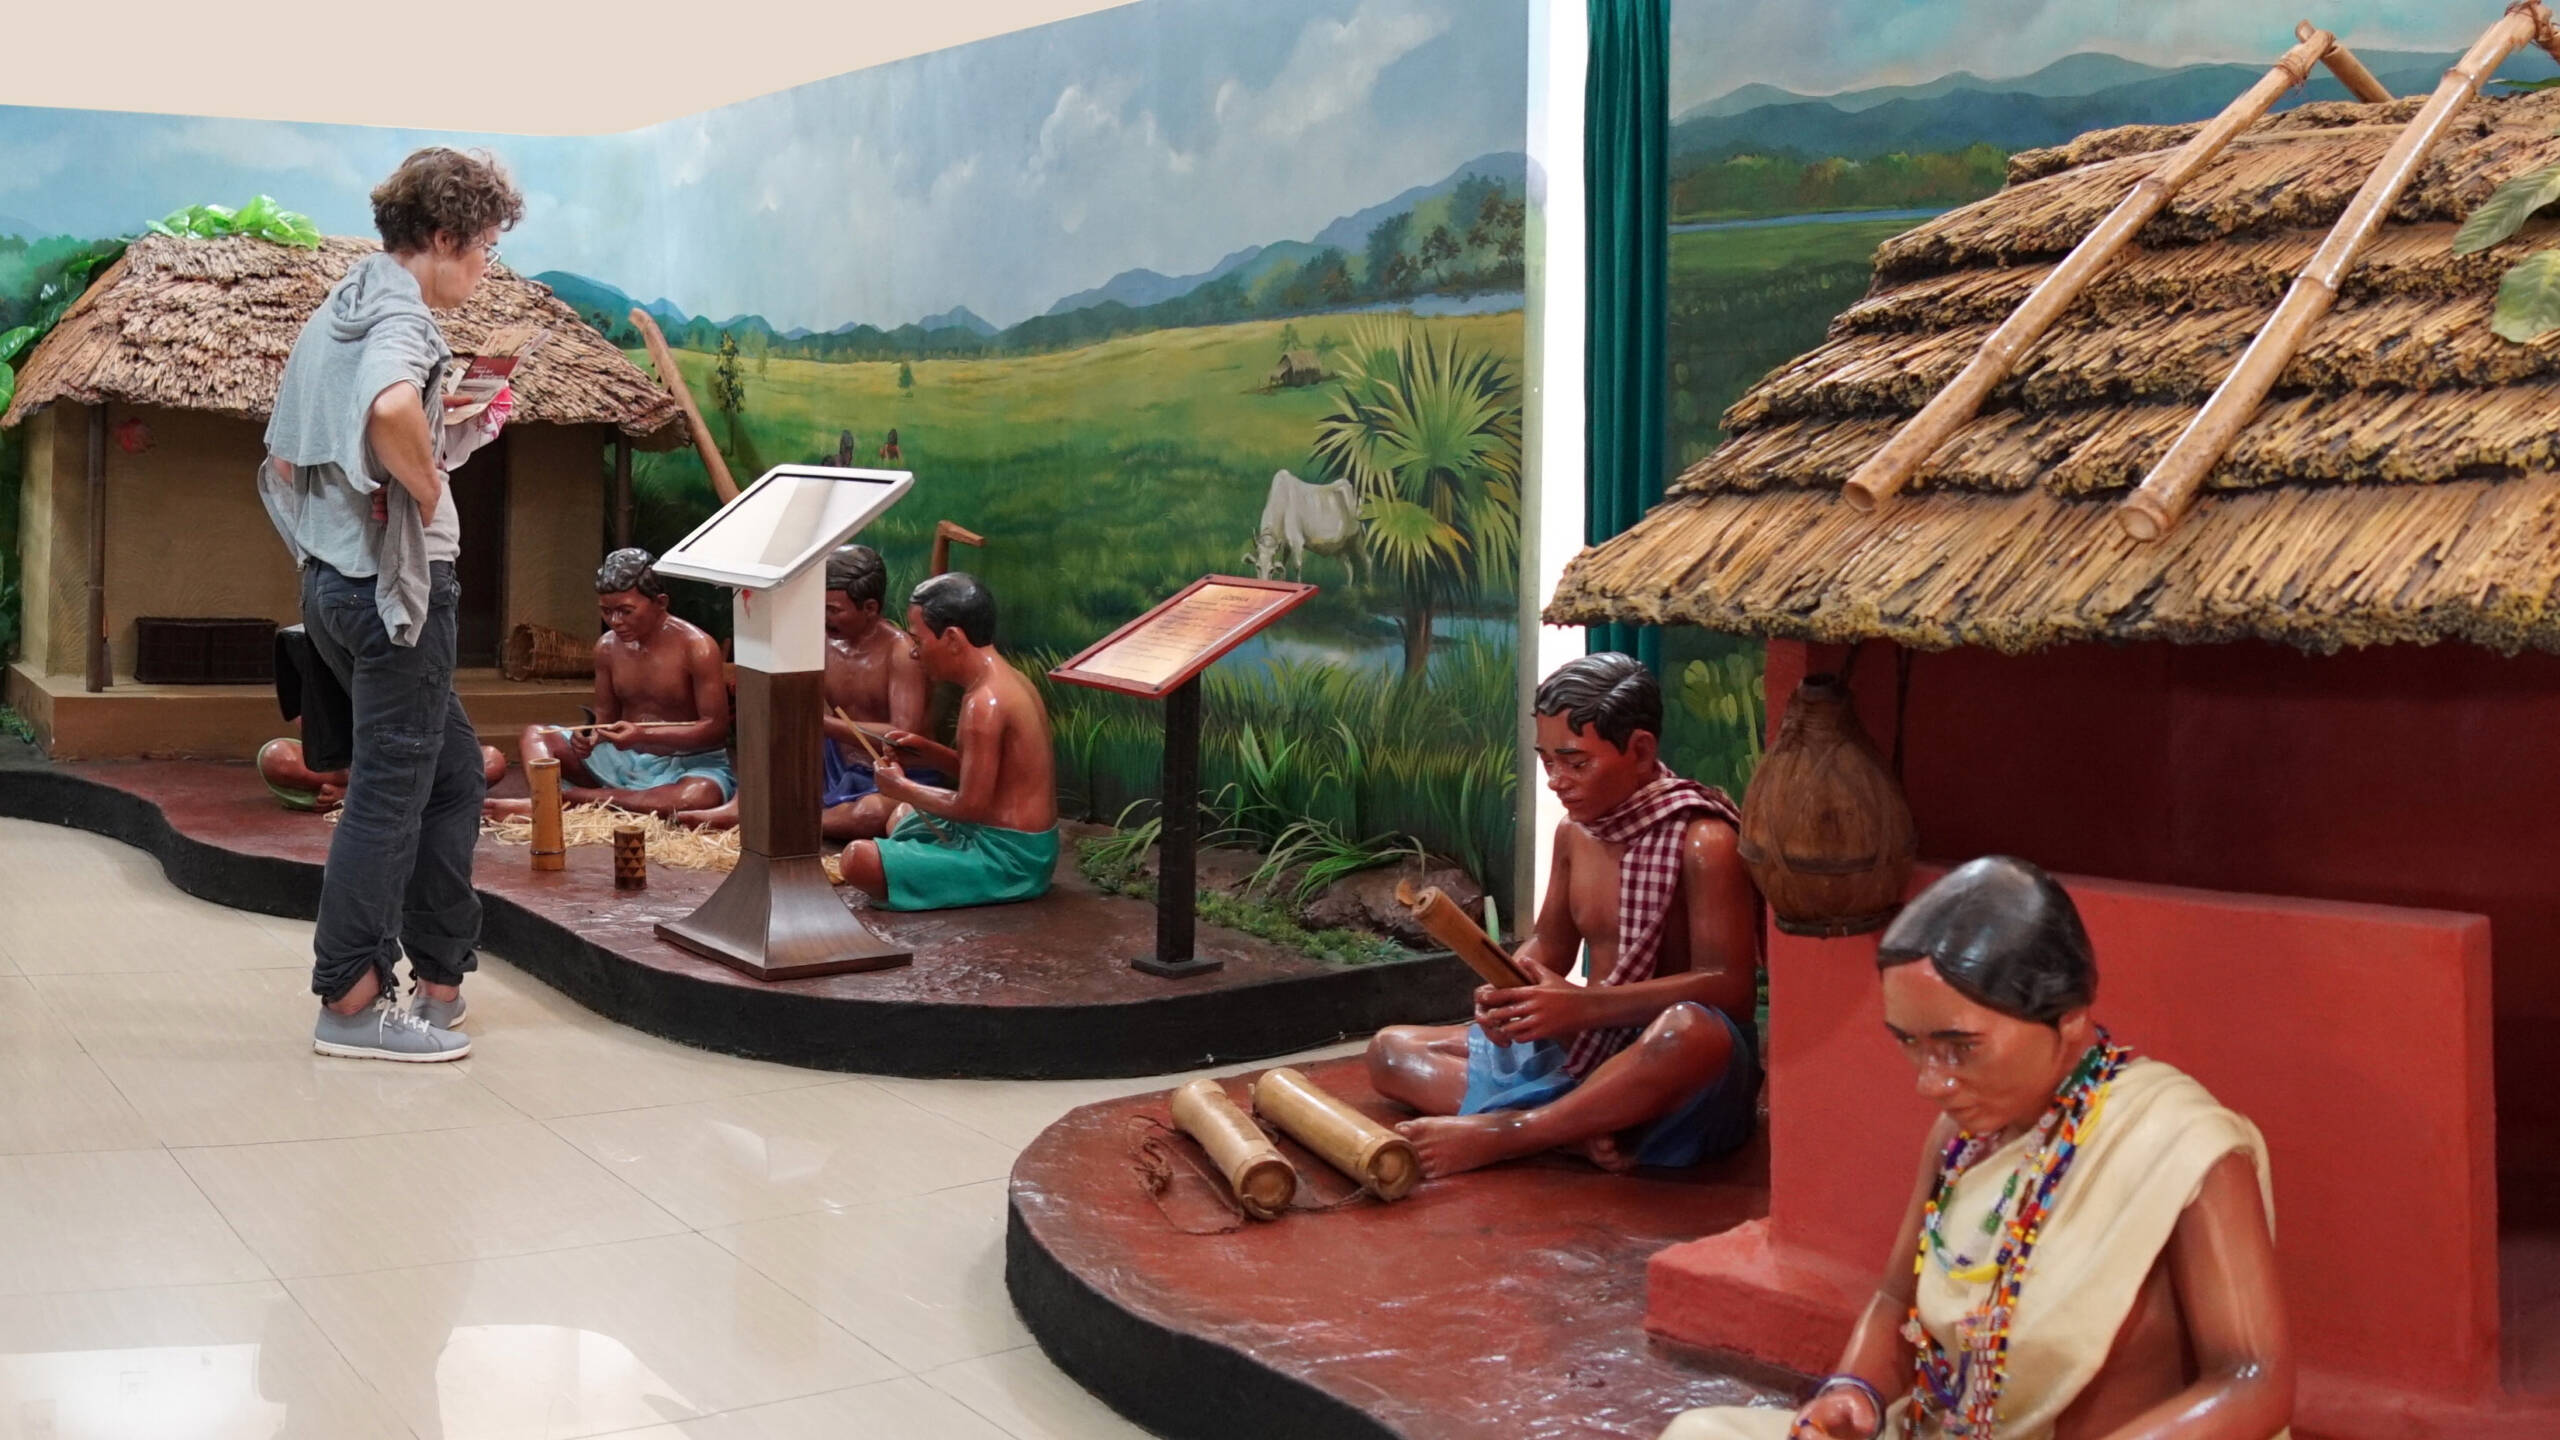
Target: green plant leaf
<point>2504,213</point>
<point>8,384</point>
<point>2520,86</point>
<point>14,341</point>
<point>2529,298</point>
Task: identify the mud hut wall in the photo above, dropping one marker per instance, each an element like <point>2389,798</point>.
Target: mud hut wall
<point>2396,775</point>
<point>53,541</point>
<point>186,533</point>
<point>556,476</point>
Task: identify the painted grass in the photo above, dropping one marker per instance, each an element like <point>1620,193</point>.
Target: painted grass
<point>1707,257</point>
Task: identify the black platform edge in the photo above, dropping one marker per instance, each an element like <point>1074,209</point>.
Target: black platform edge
<point>1174,1384</point>
<point>1181,1030</point>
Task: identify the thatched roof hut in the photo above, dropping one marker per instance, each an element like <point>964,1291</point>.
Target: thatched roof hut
<point>2402,484</point>
<point>206,325</point>
<point>1296,370</point>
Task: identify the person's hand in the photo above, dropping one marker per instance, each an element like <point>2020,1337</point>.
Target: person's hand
<point>581,743</point>
<point>904,742</point>
<point>620,733</point>
<point>890,778</point>
<point>1546,1009</point>
<point>1839,1413</point>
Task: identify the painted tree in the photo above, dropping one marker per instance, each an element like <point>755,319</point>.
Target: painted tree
<point>1389,268</point>
<point>728,385</point>
<point>1438,249</point>
<point>1428,431</point>
<point>906,376</point>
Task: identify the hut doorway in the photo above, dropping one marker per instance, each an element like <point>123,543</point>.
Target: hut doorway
<point>480,488</point>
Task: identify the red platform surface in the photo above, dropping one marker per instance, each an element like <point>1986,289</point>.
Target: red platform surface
<point>1502,1303</point>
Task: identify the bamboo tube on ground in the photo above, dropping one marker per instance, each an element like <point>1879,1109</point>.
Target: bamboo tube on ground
<point>1892,467</point>
<point>2169,491</point>
<point>1450,926</point>
<point>673,379</point>
<point>1262,1180</point>
<point>2342,62</point>
<point>550,851</point>
<point>1380,1159</point>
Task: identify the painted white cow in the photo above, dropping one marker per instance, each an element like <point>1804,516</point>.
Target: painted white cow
<point>1299,517</point>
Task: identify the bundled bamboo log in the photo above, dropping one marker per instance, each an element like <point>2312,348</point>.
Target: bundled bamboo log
<point>1892,467</point>
<point>550,852</point>
<point>1378,1158</point>
<point>1450,926</point>
<point>2170,489</point>
<point>1263,1182</point>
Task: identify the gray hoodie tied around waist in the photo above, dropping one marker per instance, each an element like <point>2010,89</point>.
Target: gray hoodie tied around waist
<point>373,332</point>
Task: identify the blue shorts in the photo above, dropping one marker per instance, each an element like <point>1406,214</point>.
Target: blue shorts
<point>618,769</point>
<point>1716,1121</point>
<point>845,781</point>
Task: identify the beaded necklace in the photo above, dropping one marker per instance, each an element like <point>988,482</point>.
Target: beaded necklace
<point>1963,1391</point>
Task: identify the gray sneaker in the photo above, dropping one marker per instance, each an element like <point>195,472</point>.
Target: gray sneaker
<point>442,1014</point>
<point>385,1032</point>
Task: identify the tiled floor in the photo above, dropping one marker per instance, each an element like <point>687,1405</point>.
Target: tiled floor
<point>207,1232</point>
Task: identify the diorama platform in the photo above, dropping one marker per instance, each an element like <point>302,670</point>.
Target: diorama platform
<point>230,722</point>
<point>1040,990</point>
<point>1503,1303</point>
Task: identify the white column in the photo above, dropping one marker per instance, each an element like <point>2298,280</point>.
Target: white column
<point>784,629</point>
<point>1555,422</point>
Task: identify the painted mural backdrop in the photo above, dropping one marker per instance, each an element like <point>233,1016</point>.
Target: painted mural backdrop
<point>1190,286</point>
<point>1807,132</point>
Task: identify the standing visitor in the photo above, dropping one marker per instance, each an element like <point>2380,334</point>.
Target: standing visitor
<point>356,481</point>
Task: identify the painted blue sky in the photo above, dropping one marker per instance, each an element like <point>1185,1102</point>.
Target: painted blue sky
<point>1820,46</point>
<point>1000,175</point>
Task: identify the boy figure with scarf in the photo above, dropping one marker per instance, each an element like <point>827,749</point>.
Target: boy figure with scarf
<point>356,482</point>
<point>1656,1061</point>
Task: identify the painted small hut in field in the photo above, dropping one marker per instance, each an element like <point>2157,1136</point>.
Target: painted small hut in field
<point>145,411</point>
<point>1297,370</point>
<point>2303,750</point>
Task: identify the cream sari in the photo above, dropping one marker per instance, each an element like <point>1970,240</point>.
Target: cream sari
<point>2139,1167</point>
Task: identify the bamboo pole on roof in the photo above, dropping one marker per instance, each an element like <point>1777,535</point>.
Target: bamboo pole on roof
<point>2169,490</point>
<point>1889,469</point>
<point>2350,71</point>
<point>673,379</point>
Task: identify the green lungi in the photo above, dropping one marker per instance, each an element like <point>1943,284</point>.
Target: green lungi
<point>937,864</point>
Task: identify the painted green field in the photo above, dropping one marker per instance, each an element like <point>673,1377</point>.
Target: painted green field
<point>1104,479</point>
<point>1710,257</point>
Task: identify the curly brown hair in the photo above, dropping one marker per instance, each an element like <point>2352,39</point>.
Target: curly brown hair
<point>443,189</point>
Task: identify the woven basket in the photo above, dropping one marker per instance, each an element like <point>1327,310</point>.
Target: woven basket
<point>538,652</point>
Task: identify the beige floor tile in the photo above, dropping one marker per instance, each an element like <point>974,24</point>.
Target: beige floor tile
<point>298,1095</point>
<point>322,1207</point>
<point>921,1280</point>
<point>1030,1398</point>
<point>107,1220</point>
<point>67,932</point>
<point>216,1362</point>
<point>27,1023</point>
<point>56,1099</point>
<point>753,1157</point>
<point>903,1409</point>
<point>250,1014</point>
<point>582,1342</point>
<point>550,1057</point>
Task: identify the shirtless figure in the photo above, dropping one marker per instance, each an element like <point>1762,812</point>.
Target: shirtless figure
<point>652,670</point>
<point>2128,1278</point>
<point>995,838</point>
<point>297,786</point>
<point>1655,1061</point>
<point>873,676</point>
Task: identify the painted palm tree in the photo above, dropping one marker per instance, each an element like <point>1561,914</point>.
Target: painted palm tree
<point>1428,431</point>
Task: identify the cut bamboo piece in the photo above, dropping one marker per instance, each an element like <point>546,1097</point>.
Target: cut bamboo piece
<point>2169,491</point>
<point>2342,62</point>
<point>1889,469</point>
<point>1370,1153</point>
<point>673,379</point>
<point>944,532</point>
<point>1252,1165</point>
<point>550,852</point>
<point>1450,926</point>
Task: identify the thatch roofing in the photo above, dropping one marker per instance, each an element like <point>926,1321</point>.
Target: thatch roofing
<point>206,325</point>
<point>2402,483</point>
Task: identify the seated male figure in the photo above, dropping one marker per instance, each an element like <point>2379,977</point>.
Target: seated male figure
<point>297,786</point>
<point>661,703</point>
<point>1655,1062</point>
<point>994,838</point>
<point>2089,1226</point>
<point>873,682</point>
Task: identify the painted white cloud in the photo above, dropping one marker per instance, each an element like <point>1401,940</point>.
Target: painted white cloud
<point>1337,63</point>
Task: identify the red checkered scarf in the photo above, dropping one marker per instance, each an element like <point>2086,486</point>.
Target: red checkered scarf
<point>1650,823</point>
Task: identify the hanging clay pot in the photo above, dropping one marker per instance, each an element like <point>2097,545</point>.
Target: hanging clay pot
<point>1826,831</point>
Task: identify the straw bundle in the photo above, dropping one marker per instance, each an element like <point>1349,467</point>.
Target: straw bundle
<point>2400,484</point>
<point>677,847</point>
<point>206,325</point>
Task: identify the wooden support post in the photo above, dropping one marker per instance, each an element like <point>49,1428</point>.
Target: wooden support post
<point>1178,847</point>
<point>671,377</point>
<point>1892,467</point>
<point>101,657</point>
<point>621,491</point>
<point>2170,489</point>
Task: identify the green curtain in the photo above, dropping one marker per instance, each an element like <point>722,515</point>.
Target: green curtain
<point>1626,156</point>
